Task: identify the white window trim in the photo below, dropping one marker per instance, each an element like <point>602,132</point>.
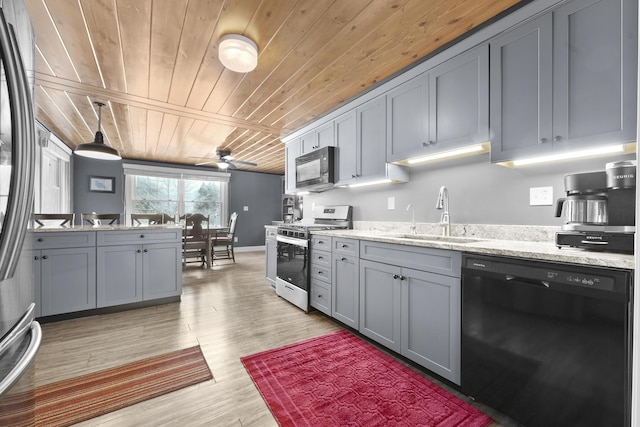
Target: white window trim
<point>131,169</point>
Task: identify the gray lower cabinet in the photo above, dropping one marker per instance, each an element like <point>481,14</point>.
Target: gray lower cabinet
<point>133,272</point>
<point>321,274</point>
<point>565,80</point>
<point>64,268</point>
<point>345,300</point>
<point>271,256</point>
<point>410,302</point>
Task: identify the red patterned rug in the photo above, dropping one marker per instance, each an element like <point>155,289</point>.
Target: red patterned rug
<point>340,380</point>
<point>70,401</point>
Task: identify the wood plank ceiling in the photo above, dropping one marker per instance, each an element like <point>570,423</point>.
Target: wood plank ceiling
<point>155,64</point>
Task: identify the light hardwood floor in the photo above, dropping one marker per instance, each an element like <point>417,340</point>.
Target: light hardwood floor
<point>229,311</point>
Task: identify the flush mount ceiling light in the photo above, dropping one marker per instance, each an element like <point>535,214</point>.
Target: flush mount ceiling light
<point>238,53</point>
<point>97,149</point>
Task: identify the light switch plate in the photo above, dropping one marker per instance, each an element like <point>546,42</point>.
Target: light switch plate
<point>391,203</point>
<point>246,208</point>
<point>541,196</point>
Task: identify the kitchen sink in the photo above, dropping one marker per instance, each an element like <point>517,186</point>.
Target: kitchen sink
<point>435,238</point>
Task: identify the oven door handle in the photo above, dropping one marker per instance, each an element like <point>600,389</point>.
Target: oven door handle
<point>292,241</point>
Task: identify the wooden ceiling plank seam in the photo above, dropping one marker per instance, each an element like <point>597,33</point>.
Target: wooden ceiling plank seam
<point>70,24</point>
<point>154,126</point>
<point>56,123</point>
<point>134,23</point>
<point>169,123</point>
<point>56,98</point>
<point>42,18</point>
<point>252,81</point>
<point>175,146</point>
<point>120,118</point>
<point>333,50</point>
<point>57,83</point>
<point>165,40</point>
<point>380,71</point>
<point>321,36</point>
<point>41,58</point>
<point>382,44</point>
<point>138,124</point>
<point>369,38</point>
<point>196,36</point>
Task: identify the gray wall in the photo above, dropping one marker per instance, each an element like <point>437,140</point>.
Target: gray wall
<point>85,201</point>
<point>262,195</point>
<point>479,192</point>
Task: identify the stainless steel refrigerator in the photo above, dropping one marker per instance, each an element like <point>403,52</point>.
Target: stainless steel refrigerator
<point>20,334</point>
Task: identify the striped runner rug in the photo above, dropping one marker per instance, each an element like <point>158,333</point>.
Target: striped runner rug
<point>81,398</point>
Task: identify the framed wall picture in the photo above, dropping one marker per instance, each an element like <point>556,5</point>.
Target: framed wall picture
<point>102,184</point>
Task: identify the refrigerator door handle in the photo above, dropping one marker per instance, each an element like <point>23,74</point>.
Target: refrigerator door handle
<point>23,364</point>
<point>20,198</point>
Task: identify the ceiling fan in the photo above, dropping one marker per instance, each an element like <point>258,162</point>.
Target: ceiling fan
<point>225,160</point>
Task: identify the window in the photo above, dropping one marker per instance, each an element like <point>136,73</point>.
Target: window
<point>155,189</point>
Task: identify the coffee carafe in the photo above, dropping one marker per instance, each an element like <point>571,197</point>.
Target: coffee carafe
<point>586,200</point>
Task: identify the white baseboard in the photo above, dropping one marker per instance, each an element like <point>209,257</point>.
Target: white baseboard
<point>249,248</point>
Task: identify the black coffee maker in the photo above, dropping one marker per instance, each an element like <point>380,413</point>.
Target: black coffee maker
<point>599,209</point>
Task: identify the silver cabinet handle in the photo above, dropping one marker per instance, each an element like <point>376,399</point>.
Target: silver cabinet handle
<point>23,141</point>
<point>17,371</point>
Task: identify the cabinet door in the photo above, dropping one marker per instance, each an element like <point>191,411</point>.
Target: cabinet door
<point>292,151</point>
<point>408,119</point>
<point>68,280</point>
<point>307,142</point>
<point>347,152</point>
<point>459,100</point>
<point>380,303</point>
<point>431,322</point>
<point>521,90</point>
<point>36,270</point>
<point>271,253</point>
<point>371,136</point>
<point>119,275</point>
<point>161,270</point>
<point>324,136</point>
<point>345,289</point>
<point>594,73</point>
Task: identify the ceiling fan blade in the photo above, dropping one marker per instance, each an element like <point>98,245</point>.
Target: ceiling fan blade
<point>242,162</point>
<point>231,165</point>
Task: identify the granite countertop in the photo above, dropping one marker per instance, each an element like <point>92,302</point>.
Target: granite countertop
<point>104,228</point>
<point>515,241</point>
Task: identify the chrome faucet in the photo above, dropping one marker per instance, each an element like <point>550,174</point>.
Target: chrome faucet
<point>443,203</point>
<point>413,218</point>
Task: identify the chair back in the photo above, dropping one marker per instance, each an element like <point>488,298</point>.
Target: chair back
<point>65,220</point>
<point>93,218</point>
<point>147,219</point>
<point>168,219</point>
<point>232,223</point>
<point>196,226</point>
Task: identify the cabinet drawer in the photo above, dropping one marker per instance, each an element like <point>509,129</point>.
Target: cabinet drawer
<point>321,272</point>
<point>425,259</point>
<point>321,242</point>
<point>64,239</point>
<point>270,233</point>
<point>346,246</point>
<point>321,258</point>
<point>321,296</point>
<point>106,238</point>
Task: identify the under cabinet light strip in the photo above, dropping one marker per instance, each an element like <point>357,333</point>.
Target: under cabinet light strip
<point>571,155</point>
<point>449,154</point>
<point>364,184</point>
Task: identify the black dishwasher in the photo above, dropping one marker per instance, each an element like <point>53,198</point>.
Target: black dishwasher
<point>547,344</point>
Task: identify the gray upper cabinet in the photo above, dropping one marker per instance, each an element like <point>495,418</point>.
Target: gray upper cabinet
<point>347,152</point>
<point>565,81</point>
<point>459,100</point>
<point>292,150</point>
<point>371,139</point>
<point>321,136</point>
<point>446,107</point>
<point>408,118</point>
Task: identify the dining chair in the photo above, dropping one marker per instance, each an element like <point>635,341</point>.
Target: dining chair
<point>224,239</point>
<point>146,219</point>
<point>196,240</point>
<point>64,220</point>
<point>95,219</point>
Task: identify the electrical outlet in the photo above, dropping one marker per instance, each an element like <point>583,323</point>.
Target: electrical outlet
<point>541,196</point>
<point>235,239</point>
<point>391,203</point>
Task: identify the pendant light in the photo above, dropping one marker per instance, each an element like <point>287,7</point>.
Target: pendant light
<point>97,149</point>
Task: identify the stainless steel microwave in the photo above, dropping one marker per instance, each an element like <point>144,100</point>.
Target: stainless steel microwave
<point>315,170</point>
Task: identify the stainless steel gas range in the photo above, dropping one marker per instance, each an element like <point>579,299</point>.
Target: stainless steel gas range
<point>292,281</point>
